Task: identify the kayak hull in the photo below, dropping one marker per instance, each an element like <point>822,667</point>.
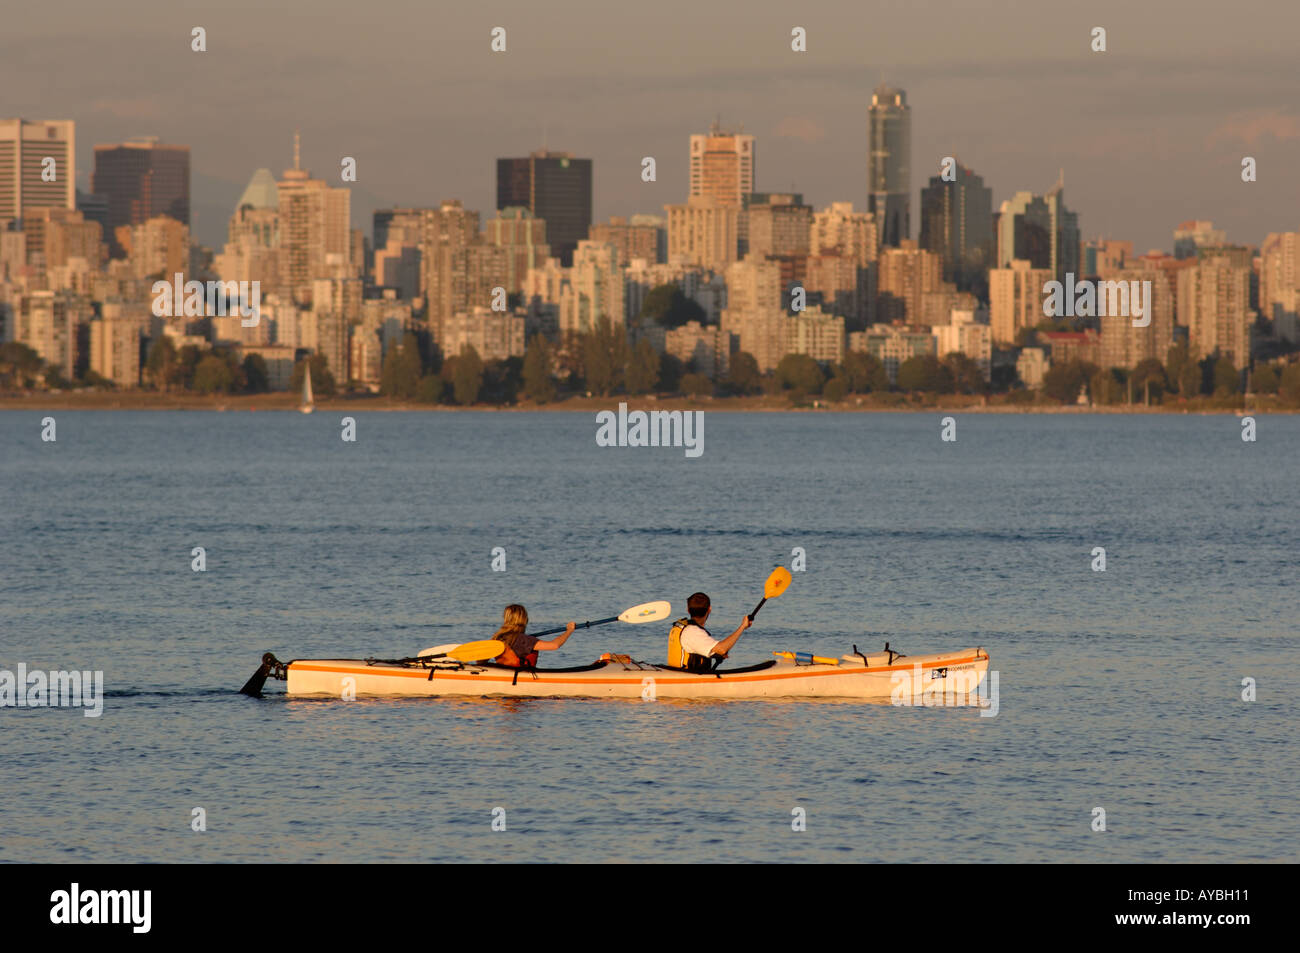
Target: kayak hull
<point>878,677</point>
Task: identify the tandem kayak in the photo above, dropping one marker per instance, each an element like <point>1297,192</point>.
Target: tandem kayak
<point>886,675</point>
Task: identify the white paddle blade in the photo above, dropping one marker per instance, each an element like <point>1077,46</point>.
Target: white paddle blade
<point>648,612</point>
<point>438,649</point>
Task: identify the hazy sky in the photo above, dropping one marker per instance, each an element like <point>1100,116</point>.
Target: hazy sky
<point>1150,133</point>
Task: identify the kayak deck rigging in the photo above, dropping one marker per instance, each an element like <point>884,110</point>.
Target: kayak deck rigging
<point>883,675</point>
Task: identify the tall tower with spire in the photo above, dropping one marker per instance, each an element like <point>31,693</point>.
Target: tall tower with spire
<point>889,164</point>
<point>315,238</point>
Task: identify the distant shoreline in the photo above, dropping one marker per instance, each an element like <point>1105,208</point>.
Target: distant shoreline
<point>284,401</point>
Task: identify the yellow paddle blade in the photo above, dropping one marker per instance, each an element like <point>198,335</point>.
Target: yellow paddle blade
<point>806,658</point>
<point>437,650</point>
<point>477,651</point>
<point>647,612</point>
<point>776,582</point>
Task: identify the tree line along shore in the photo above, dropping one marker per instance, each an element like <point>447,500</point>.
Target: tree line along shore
<point>600,365</point>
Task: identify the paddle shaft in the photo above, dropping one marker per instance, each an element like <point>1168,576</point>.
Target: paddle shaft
<point>585,625</point>
<point>756,608</point>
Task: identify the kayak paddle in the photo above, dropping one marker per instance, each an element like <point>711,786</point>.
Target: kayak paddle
<point>804,658</point>
<point>646,612</point>
<point>775,585</point>
<point>476,651</point>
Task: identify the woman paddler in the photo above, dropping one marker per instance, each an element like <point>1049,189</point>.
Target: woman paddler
<point>521,649</point>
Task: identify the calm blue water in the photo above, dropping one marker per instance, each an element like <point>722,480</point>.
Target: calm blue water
<point>1118,690</point>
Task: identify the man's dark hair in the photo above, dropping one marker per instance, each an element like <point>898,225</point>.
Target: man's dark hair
<point>697,605</point>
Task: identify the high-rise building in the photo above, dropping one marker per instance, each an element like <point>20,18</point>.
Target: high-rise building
<point>703,232</point>
<point>907,273</point>
<point>753,285</point>
<point>838,230</point>
<point>141,179</point>
<point>632,241</point>
<point>1103,256</point>
<point>494,335</point>
<point>722,165</point>
<point>446,232</point>
<point>253,251</point>
<point>115,341</point>
<point>1024,225</point>
<point>27,180</point>
<point>964,334</point>
<point>158,248</point>
<point>1214,306</point>
<point>1064,232</point>
<point>555,187</point>
<point>889,164</point>
<point>1279,283</point>
<point>47,322</point>
<point>778,223</point>
<point>397,262</point>
<point>1016,299</point>
<point>1126,346</point>
<point>522,236</point>
<point>55,235</point>
<point>1191,236</point>
<point>315,230</point>
<point>1039,229</point>
<point>595,289</point>
<point>957,224</point>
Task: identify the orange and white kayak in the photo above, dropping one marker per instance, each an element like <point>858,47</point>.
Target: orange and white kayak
<point>884,676</point>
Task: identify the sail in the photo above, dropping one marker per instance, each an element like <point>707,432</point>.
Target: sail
<point>306,388</point>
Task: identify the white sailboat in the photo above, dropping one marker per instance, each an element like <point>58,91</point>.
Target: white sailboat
<point>308,403</point>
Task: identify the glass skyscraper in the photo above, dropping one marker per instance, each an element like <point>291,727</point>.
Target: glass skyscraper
<point>889,164</point>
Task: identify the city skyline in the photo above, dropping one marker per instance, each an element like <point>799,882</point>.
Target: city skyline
<point>425,129</point>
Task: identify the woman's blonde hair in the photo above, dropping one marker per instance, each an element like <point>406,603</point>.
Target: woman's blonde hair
<point>514,622</point>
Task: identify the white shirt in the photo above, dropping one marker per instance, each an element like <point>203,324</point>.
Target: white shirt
<point>696,641</point>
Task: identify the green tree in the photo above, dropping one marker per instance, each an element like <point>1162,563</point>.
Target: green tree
<point>93,379</point>
<point>925,372</point>
<point>836,389</point>
<point>800,373</point>
<point>696,385</point>
<point>400,374</point>
<point>670,373</point>
<point>212,375</point>
<point>322,380</point>
<point>466,375</point>
<point>539,384</point>
<point>967,378</point>
<point>1149,374</point>
<point>1063,381</point>
<point>162,365</point>
<point>503,380</point>
<point>668,307</point>
<point>743,376</point>
<point>430,389</point>
<point>188,361</point>
<point>642,368</point>
<point>19,365</point>
<point>863,373</point>
<point>256,374</point>
<point>1181,371</point>
<point>1106,388</point>
<point>604,357</point>
<point>1288,387</point>
<point>1227,379</point>
<point>1264,379</point>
